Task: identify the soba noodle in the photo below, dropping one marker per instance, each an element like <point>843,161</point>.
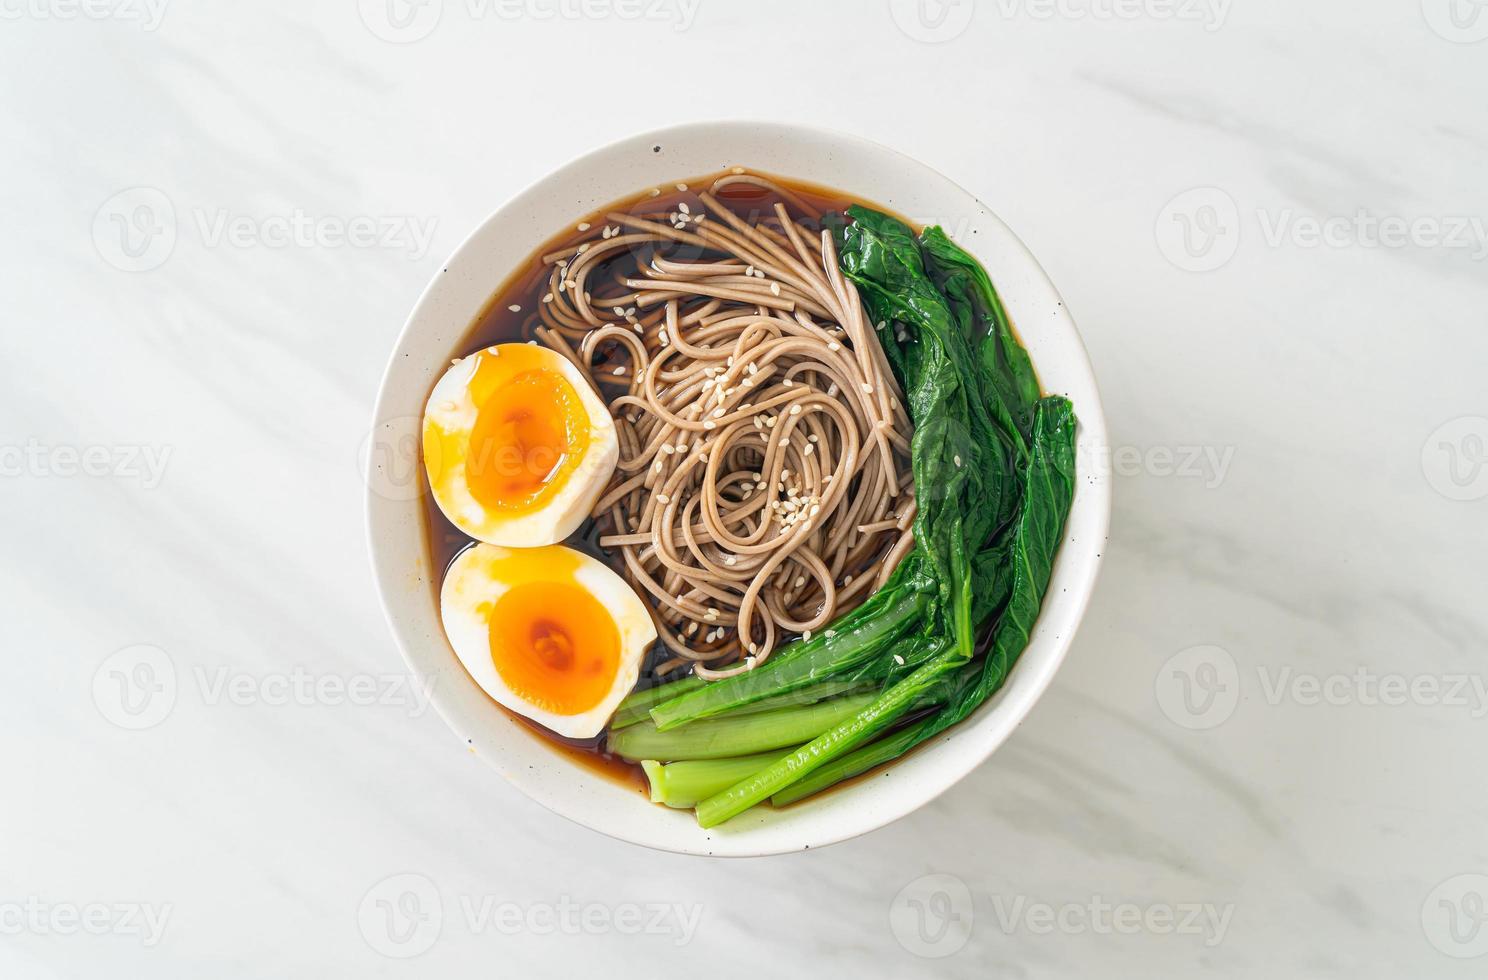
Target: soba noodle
<point>763,487</point>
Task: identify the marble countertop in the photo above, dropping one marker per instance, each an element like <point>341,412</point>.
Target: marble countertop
<point>1264,755</point>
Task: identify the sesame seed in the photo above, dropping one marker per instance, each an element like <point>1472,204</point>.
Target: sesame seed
<point>710,424</point>
<point>957,459</point>
<point>515,308</point>
<point>684,208</point>
<point>737,170</point>
<point>898,660</point>
<point>775,288</point>
<point>834,346</point>
<point>619,370</point>
<point>806,636</point>
<point>795,409</point>
<point>681,187</point>
<point>662,498</point>
<point>584,247</point>
<point>547,297</point>
<point>655,191</point>
<point>583,226</point>
<point>867,388</point>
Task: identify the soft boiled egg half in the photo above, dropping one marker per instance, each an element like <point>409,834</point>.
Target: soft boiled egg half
<point>550,633</point>
<point>517,446</point>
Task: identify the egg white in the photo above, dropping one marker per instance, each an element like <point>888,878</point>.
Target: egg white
<point>452,407</point>
<point>476,578</point>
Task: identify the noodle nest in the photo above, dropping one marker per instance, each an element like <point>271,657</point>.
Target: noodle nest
<point>763,487</point>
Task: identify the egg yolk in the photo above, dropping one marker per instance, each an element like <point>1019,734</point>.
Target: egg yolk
<point>554,646</point>
<point>530,432</point>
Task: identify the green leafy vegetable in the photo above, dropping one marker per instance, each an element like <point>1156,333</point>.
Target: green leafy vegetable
<point>719,738</point>
<point>685,784</point>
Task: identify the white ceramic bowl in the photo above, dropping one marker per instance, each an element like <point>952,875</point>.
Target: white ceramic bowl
<point>504,240</point>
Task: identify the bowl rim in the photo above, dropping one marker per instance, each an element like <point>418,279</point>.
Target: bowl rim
<point>1093,500</point>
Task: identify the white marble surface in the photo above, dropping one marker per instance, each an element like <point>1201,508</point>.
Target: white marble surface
<point>218,399</point>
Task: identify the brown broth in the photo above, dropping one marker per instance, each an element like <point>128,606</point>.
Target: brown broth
<point>496,323</point>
